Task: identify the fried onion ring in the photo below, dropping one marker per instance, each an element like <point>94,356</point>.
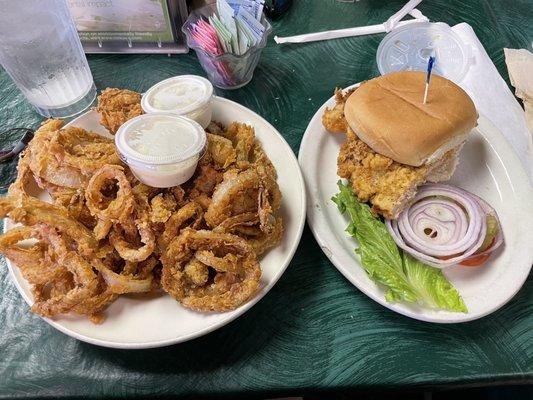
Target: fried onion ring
<point>161,207</point>
<point>228,263</point>
<point>123,283</point>
<point>247,226</point>
<point>86,151</point>
<point>31,211</point>
<point>45,166</point>
<point>227,290</point>
<point>243,138</point>
<point>190,215</point>
<point>117,106</point>
<point>220,152</point>
<point>85,280</point>
<point>93,306</point>
<point>102,228</point>
<point>205,180</point>
<point>114,210</point>
<point>33,260</point>
<point>245,192</point>
<point>231,224</point>
<point>197,272</point>
<point>261,241</point>
<point>124,247</point>
<point>236,194</point>
<point>24,176</point>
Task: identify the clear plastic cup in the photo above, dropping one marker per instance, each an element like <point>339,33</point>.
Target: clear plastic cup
<point>408,49</point>
<point>187,95</point>
<point>161,149</point>
<point>226,71</point>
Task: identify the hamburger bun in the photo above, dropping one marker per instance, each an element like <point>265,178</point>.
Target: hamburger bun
<point>388,114</point>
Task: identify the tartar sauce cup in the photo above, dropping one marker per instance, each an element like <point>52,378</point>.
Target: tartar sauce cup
<point>161,149</point>
<point>187,95</point>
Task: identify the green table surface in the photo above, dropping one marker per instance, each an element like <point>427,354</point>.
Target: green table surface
<point>313,330</point>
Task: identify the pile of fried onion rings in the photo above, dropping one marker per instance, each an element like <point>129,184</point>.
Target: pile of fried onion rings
<point>104,234</point>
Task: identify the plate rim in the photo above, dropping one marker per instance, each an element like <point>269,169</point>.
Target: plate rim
<point>314,216</point>
<point>239,311</point>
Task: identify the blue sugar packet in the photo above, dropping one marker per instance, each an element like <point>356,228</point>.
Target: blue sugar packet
<point>253,24</point>
<point>254,7</point>
<point>238,24</point>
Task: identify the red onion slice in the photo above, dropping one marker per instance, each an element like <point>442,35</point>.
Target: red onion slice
<point>498,240</point>
<point>444,226</point>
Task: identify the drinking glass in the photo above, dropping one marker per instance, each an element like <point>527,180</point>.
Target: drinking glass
<point>41,51</point>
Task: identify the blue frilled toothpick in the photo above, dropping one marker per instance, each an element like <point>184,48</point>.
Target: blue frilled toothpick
<point>428,77</point>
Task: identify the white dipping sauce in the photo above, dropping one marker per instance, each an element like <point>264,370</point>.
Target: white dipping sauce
<point>178,95</point>
<point>160,138</point>
<point>187,95</point>
<point>161,149</point>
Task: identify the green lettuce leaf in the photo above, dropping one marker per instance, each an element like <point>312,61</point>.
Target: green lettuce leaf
<point>432,286</point>
<point>405,278</point>
<point>379,254</point>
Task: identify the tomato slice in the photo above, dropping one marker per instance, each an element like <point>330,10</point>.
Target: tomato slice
<point>475,261</point>
<point>448,257</point>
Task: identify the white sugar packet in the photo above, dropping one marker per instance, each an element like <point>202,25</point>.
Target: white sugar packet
<point>226,16</point>
<point>493,98</point>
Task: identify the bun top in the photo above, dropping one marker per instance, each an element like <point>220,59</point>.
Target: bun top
<point>388,114</point>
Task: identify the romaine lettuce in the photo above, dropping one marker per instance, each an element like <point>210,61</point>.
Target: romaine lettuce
<point>406,278</point>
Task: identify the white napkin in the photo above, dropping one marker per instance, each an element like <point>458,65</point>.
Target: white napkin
<point>520,65</point>
<point>493,98</point>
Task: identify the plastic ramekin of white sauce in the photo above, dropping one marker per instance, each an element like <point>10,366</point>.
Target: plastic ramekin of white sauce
<point>187,95</point>
<point>161,149</point>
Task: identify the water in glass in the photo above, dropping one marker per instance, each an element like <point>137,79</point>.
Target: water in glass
<point>41,51</point>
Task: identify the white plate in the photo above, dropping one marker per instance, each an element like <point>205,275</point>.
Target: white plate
<point>488,168</point>
<point>135,322</point>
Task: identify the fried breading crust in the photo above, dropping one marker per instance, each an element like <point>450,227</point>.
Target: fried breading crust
<point>374,178</point>
<point>117,106</point>
<point>333,118</point>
